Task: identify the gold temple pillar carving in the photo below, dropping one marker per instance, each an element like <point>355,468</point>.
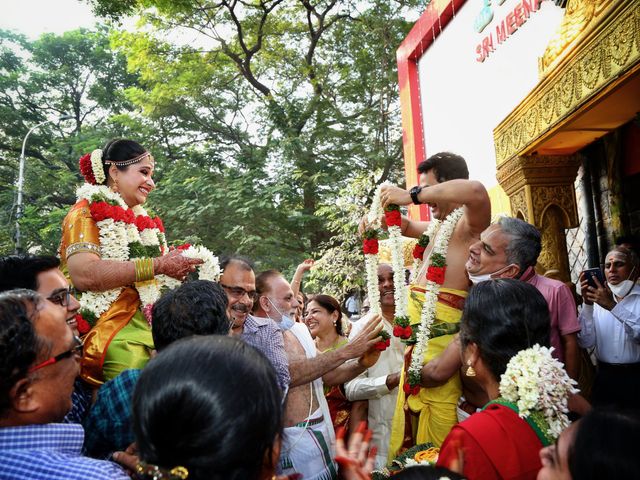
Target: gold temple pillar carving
<point>541,192</point>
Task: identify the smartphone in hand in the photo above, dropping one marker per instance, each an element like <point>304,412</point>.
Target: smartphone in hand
<point>592,273</point>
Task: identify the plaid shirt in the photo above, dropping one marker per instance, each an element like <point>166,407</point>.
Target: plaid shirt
<point>265,335</point>
<point>108,426</point>
<point>81,401</point>
<point>50,451</point>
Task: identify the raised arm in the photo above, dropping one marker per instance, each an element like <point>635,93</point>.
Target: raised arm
<point>469,193</point>
<point>296,281</point>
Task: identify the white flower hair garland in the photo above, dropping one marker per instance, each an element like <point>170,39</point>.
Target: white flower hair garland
<point>538,383</point>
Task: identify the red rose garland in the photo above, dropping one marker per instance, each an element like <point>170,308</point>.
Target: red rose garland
<point>392,216</point>
<point>370,246</point>
<point>83,325</point>
<point>383,344</point>
<point>86,170</point>
<point>102,210</point>
<point>437,268</point>
<point>411,390</point>
<point>435,278</point>
<point>421,246</point>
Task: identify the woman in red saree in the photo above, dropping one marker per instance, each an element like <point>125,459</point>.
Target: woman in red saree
<point>505,329</point>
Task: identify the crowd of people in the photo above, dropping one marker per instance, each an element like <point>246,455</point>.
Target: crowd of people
<point>117,362</point>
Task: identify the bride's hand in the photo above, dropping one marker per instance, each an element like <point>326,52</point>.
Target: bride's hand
<point>175,265</point>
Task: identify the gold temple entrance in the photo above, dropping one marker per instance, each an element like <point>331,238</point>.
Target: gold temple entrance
<point>589,86</point>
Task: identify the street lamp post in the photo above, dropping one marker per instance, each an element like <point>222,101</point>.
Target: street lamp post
<point>21,177</point>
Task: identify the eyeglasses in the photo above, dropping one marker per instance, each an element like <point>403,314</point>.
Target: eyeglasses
<point>75,350</point>
<point>239,292</point>
<point>62,297</point>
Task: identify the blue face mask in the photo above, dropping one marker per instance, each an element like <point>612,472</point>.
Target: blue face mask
<point>286,322</point>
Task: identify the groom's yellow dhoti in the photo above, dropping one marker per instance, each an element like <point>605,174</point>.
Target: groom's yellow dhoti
<point>428,416</point>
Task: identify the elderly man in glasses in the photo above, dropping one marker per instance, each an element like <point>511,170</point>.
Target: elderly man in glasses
<point>239,282</point>
<point>39,362</point>
<point>41,274</point>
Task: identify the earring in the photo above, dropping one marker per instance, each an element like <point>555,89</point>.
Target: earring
<point>470,372</point>
<point>115,187</point>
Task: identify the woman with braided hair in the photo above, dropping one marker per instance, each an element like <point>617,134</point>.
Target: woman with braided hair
<point>117,256</point>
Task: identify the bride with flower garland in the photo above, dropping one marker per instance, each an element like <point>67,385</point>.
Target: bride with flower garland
<point>117,256</point>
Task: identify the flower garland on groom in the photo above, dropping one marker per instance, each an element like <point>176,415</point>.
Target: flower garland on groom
<point>460,212</point>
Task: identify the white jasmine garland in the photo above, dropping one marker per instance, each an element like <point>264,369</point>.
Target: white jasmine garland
<point>371,268</point>
<point>210,269</point>
<point>114,236</point>
<point>428,315</point>
<point>400,293</point>
<point>535,381</point>
<point>375,211</point>
<point>370,259</point>
<point>86,191</point>
<point>96,166</point>
<point>115,239</point>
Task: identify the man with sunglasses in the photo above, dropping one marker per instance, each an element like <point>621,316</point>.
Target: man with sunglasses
<point>39,362</point>
<point>42,274</point>
<point>239,282</point>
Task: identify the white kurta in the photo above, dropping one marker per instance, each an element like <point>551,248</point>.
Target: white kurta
<point>371,385</point>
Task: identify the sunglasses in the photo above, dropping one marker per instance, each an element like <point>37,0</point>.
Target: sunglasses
<point>62,297</point>
<point>75,350</point>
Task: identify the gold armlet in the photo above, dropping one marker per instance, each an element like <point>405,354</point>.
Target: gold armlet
<point>81,247</point>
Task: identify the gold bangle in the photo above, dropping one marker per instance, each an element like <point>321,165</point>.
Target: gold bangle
<point>143,269</point>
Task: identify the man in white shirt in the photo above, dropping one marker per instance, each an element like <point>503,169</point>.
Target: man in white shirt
<point>610,321</point>
<point>379,383</point>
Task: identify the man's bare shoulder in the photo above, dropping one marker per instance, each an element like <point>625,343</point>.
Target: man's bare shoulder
<point>292,345</point>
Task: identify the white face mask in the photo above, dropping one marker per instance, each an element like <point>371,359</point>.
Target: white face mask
<point>624,287</point>
<point>286,322</point>
<point>486,276</point>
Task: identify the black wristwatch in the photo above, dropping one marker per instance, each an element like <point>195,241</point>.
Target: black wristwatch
<point>414,195</point>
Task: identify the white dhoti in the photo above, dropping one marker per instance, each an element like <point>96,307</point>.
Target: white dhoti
<point>306,449</point>
<point>310,446</point>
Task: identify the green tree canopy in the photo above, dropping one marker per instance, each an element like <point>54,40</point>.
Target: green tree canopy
<point>286,102</point>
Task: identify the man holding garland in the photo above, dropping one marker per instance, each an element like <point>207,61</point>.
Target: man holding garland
<point>460,211</point>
